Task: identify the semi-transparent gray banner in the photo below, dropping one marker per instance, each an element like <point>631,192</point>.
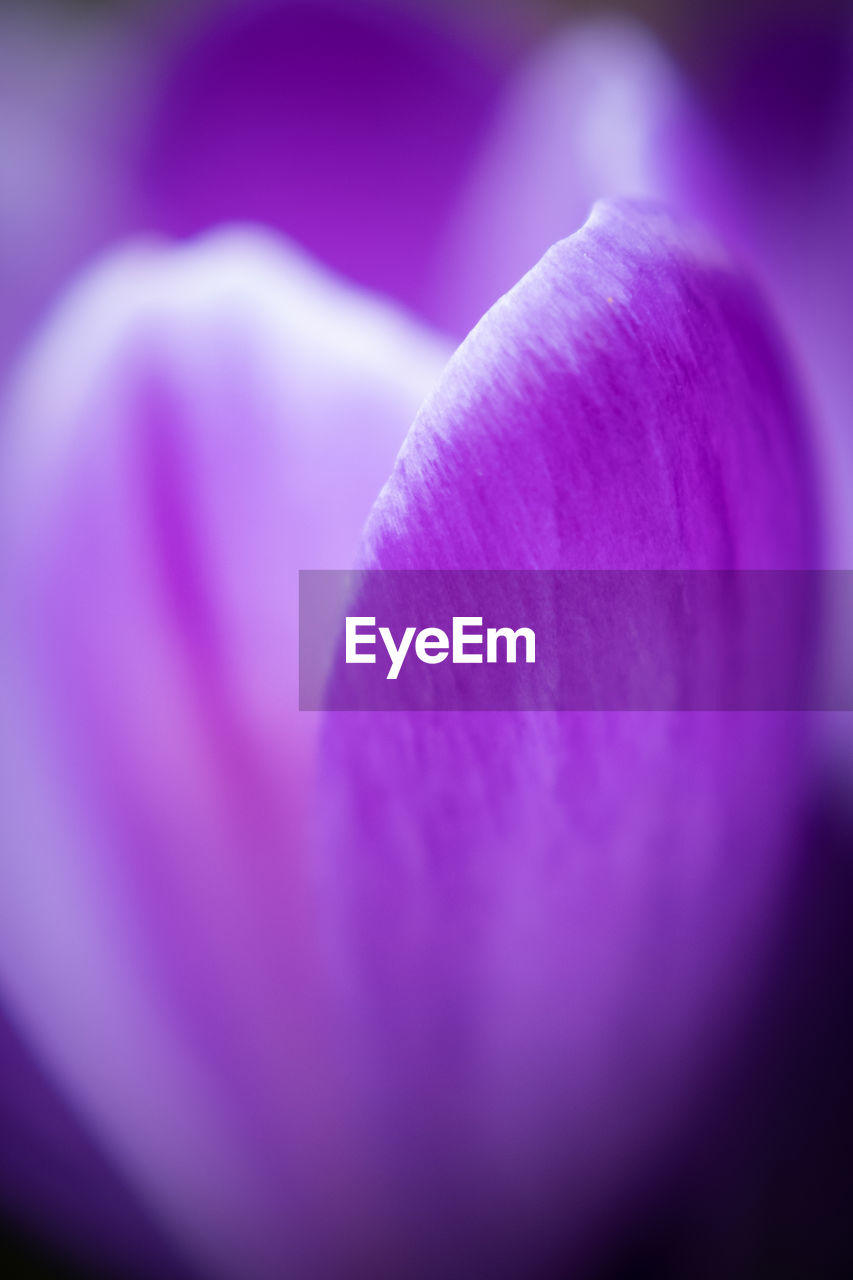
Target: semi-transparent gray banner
<point>574,640</point>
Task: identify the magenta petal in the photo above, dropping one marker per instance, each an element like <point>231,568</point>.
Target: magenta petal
<point>193,427</point>
<point>557,920</point>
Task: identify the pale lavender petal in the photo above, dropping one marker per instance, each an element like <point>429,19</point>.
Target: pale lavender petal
<point>193,426</point>
<point>70,90</point>
<point>558,920</point>
<point>598,110</point>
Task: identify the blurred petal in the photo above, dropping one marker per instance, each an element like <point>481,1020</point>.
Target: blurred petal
<point>786,83</point>
<point>348,125</point>
<point>60,1191</point>
<point>559,919</point>
<point>193,427</point>
<point>598,110</point>
<point>68,100</point>
<point>781,85</point>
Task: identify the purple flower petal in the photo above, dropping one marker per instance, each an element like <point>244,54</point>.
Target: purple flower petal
<point>60,1189</point>
<point>67,107</point>
<point>193,426</point>
<point>786,85</point>
<point>557,920</point>
<point>598,110</point>
<point>781,86</point>
<point>348,125</point>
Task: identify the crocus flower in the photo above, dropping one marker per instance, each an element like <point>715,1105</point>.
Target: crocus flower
<point>384,994</point>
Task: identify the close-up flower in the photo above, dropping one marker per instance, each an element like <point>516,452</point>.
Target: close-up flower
<point>452,309</point>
